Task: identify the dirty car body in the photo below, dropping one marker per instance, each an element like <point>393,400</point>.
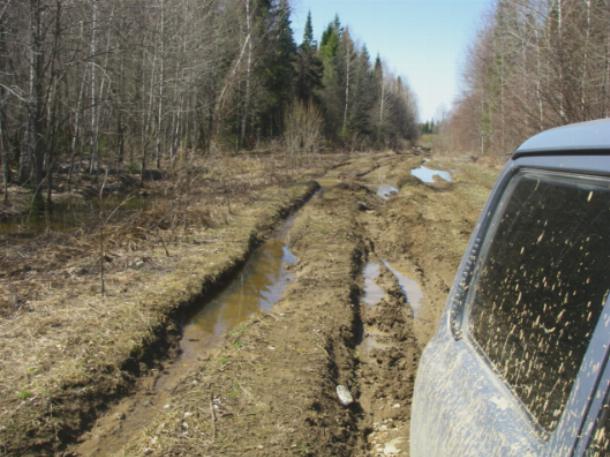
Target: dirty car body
<point>519,363</point>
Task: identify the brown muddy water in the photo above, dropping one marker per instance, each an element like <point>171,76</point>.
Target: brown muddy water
<point>373,293</point>
<point>410,288</point>
<point>257,288</point>
<point>260,284</point>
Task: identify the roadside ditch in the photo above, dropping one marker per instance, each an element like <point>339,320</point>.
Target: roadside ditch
<point>250,287</point>
<point>48,421</point>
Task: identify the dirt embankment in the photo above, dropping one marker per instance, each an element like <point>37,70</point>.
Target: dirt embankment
<point>271,387</point>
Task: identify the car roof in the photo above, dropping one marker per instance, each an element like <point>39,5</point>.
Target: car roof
<point>581,138</point>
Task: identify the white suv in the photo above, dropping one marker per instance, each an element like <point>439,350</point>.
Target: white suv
<point>519,364</point>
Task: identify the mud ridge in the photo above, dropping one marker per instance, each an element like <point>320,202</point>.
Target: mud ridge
<point>343,364</point>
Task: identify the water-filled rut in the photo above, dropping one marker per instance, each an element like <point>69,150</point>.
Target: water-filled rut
<point>256,288</point>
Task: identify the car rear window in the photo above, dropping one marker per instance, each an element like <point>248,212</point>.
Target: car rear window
<point>540,284</point>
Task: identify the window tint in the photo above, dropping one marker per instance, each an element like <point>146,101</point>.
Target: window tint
<point>540,285</point>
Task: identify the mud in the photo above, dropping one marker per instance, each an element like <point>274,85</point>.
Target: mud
<point>369,285</point>
<point>69,353</point>
<point>387,360</point>
<point>275,377</point>
<point>355,310</point>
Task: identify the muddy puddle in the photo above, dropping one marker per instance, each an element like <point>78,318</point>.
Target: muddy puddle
<point>373,293</point>
<point>260,284</point>
<point>428,175</point>
<point>384,360</point>
<point>410,288</point>
<point>257,288</point>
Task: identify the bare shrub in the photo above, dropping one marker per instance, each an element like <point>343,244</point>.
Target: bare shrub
<point>303,134</point>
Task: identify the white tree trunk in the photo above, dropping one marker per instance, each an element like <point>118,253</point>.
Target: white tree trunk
<point>347,83</point>
<point>381,108</point>
<point>93,140</point>
<point>244,119</point>
<point>161,83</point>
<point>585,64</point>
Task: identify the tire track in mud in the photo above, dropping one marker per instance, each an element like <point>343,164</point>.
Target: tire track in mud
<point>271,389</point>
<point>386,360</point>
<point>388,352</point>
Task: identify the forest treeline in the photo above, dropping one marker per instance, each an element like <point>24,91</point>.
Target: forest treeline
<point>536,64</point>
<point>92,85</point>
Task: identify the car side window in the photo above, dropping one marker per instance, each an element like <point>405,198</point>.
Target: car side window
<point>600,442</point>
<point>540,284</point>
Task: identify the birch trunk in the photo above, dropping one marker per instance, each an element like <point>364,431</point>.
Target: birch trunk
<point>381,104</point>
<point>585,63</point>
<point>607,70</point>
<point>93,140</point>
<point>161,85</point>
<point>35,144</point>
<point>347,83</point>
<point>562,112</point>
<point>244,119</point>
<point>539,98</point>
<point>4,155</point>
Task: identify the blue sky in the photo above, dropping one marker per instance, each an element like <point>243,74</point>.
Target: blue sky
<point>423,40</point>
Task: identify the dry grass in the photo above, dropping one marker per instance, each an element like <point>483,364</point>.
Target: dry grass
<point>64,347</point>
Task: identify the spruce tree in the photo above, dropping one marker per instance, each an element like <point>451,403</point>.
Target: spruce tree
<point>331,92</point>
<point>274,69</point>
<point>308,67</point>
<point>308,39</point>
<point>365,96</point>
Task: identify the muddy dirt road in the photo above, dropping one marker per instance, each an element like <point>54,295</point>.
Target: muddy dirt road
<point>309,344</point>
